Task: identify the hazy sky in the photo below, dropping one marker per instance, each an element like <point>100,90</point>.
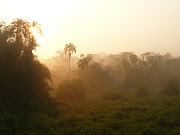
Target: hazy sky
<point>109,26</point>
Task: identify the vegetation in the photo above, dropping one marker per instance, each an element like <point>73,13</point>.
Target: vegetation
<point>22,75</point>
<point>137,116</point>
<point>142,92</point>
<point>107,94</point>
<point>70,90</point>
<point>171,88</point>
<point>112,95</point>
<point>84,61</point>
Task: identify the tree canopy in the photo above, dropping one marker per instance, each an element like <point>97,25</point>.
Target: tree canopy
<point>22,74</point>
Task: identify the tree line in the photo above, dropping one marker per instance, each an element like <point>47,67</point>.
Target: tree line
<point>125,70</point>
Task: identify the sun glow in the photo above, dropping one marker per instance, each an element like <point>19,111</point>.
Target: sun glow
<point>37,35</point>
<point>93,26</point>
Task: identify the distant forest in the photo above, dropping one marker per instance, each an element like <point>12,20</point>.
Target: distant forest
<point>103,71</point>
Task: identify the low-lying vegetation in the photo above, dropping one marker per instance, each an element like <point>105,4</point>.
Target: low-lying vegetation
<point>94,116</point>
<point>171,88</point>
<point>71,90</point>
<point>113,95</point>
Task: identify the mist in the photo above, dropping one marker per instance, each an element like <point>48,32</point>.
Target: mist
<point>120,71</point>
<point>90,67</point>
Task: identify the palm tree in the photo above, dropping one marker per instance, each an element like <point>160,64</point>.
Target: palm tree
<point>19,29</point>
<point>35,25</point>
<point>69,48</point>
<point>32,43</point>
<point>23,35</point>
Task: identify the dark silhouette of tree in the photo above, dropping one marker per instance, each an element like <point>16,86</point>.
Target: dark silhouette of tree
<point>70,49</point>
<point>129,60</point>
<point>84,61</point>
<point>153,60</point>
<point>22,75</point>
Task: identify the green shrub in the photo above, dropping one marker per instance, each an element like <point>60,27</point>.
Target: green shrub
<point>142,92</point>
<point>70,90</point>
<point>171,88</point>
<point>113,95</point>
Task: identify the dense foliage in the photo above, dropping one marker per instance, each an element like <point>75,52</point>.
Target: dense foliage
<point>70,90</point>
<point>22,75</point>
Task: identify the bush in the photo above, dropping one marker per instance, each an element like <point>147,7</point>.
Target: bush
<point>171,88</point>
<point>112,95</point>
<point>70,90</point>
<point>142,92</point>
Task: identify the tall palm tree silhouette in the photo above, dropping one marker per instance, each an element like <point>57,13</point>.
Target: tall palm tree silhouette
<point>69,48</point>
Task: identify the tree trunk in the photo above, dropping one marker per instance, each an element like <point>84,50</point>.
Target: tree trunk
<point>69,68</point>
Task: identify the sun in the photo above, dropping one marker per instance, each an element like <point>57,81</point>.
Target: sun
<point>37,35</point>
